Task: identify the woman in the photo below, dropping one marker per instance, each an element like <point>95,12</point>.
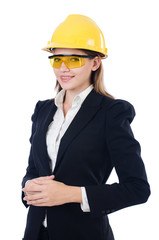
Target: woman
<point>77,138</point>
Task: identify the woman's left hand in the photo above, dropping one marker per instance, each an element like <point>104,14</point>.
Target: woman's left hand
<point>51,193</point>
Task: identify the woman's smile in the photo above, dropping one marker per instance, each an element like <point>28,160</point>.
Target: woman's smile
<point>66,78</point>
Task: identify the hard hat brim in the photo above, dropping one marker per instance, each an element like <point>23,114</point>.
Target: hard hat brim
<point>65,45</point>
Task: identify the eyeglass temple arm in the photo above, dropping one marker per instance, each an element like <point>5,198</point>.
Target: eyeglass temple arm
<point>73,55</point>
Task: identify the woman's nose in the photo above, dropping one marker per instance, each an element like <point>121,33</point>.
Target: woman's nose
<point>64,68</point>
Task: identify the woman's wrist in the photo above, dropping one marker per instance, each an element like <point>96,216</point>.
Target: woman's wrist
<point>74,194</point>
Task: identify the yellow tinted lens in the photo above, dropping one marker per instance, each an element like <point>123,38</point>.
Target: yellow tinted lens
<point>75,62</point>
<point>56,62</point>
<point>69,61</point>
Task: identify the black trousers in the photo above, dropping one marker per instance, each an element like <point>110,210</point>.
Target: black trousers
<point>43,235</point>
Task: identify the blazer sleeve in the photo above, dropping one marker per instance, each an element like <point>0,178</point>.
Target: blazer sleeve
<point>31,170</point>
<point>125,154</point>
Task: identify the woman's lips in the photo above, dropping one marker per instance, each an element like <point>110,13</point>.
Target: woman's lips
<point>66,78</point>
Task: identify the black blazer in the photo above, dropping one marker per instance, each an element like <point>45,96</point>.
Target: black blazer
<point>98,139</point>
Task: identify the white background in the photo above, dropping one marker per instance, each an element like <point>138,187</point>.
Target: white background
<point>131,73</point>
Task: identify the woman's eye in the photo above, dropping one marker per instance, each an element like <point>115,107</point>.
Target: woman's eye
<point>57,59</point>
<point>74,59</point>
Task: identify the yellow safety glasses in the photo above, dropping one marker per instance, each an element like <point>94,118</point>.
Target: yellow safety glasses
<point>71,61</point>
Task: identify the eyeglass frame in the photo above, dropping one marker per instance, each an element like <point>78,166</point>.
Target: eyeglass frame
<point>71,55</point>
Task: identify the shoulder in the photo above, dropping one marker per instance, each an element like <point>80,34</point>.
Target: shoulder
<point>42,105</point>
<point>118,108</point>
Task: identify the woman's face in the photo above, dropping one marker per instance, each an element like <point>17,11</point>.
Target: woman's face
<point>76,79</point>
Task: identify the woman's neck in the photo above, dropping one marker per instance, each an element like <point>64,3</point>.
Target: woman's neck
<point>71,94</point>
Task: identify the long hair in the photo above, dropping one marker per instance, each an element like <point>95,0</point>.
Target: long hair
<point>96,77</point>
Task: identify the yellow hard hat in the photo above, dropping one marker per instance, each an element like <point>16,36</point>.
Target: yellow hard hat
<point>79,32</point>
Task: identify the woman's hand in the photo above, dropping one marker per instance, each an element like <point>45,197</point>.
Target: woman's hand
<point>31,183</point>
<point>45,191</point>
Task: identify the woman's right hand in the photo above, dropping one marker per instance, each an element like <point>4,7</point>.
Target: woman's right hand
<point>34,181</point>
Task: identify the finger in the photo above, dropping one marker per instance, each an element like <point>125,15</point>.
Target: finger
<point>33,188</point>
<point>33,197</point>
<point>34,180</point>
<point>52,176</point>
<point>31,193</point>
<point>45,178</point>
<point>27,182</point>
<point>37,202</point>
<point>41,180</point>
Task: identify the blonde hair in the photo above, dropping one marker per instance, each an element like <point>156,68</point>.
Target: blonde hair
<point>96,77</point>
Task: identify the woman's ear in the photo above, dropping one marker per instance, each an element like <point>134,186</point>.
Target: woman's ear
<point>96,63</point>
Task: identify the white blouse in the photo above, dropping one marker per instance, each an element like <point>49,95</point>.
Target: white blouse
<point>58,127</point>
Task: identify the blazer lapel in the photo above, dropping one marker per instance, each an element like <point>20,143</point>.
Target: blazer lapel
<point>88,109</point>
<point>41,138</point>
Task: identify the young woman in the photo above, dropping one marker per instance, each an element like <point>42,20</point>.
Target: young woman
<point>77,138</point>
